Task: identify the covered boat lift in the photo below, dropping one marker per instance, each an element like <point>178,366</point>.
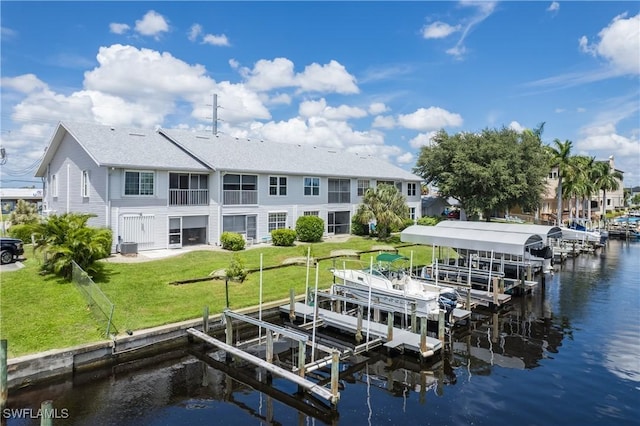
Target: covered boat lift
<point>513,244</point>
<point>546,232</point>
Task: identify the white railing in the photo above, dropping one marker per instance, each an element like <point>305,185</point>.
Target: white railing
<point>240,197</point>
<point>188,197</point>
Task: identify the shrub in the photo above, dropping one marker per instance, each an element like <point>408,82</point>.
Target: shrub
<point>236,270</point>
<point>22,232</point>
<point>283,237</point>
<point>405,224</point>
<point>232,241</point>
<point>25,213</point>
<point>359,228</point>
<point>429,220</point>
<point>309,229</point>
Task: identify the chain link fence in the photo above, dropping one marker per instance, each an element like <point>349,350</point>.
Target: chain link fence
<point>101,307</point>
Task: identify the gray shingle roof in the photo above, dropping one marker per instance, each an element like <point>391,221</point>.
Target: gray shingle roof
<point>227,153</point>
<point>129,147</point>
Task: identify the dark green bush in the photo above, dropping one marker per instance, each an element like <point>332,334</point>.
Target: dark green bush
<point>22,232</point>
<point>309,229</point>
<point>283,237</point>
<point>405,224</point>
<point>232,241</point>
<point>359,228</point>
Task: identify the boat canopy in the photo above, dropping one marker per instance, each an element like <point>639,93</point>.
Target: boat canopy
<point>390,257</point>
<point>544,231</point>
<point>472,239</point>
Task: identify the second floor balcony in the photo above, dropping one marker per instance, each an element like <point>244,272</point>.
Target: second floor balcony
<point>188,197</point>
<point>239,197</point>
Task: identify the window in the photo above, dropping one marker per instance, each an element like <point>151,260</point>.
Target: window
<point>138,183</point>
<point>339,191</point>
<point>363,185</point>
<point>312,186</point>
<point>241,224</point>
<point>277,221</point>
<point>54,185</point>
<point>412,213</point>
<point>188,189</point>
<point>240,189</point>
<point>311,213</point>
<point>412,189</point>
<point>277,185</point>
<point>84,183</point>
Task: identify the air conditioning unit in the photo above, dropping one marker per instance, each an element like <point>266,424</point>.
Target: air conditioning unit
<point>128,248</point>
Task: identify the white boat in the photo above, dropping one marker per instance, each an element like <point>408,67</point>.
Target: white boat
<point>398,290</point>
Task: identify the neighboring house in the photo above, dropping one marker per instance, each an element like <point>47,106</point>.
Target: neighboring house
<point>549,207</point>
<point>9,198</point>
<point>435,206</point>
<point>169,188</point>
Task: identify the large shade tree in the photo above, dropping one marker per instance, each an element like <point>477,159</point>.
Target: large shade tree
<point>385,205</point>
<point>494,170</point>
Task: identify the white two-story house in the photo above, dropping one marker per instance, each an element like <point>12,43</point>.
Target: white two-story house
<point>170,188</point>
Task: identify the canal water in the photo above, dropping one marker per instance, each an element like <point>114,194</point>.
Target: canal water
<point>569,353</point>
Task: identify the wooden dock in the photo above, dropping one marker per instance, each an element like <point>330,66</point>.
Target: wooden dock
<point>401,339</point>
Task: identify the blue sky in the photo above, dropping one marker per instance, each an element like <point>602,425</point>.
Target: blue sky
<point>373,77</point>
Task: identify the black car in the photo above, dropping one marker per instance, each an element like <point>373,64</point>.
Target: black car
<point>10,249</point>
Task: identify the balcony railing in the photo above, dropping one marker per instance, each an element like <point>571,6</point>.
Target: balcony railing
<point>188,197</point>
<point>240,197</point>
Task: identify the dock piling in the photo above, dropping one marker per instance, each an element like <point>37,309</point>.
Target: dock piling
<point>292,304</point>
<point>359,325</point>
<point>269,354</point>
<point>335,376</point>
<point>414,323</point>
<point>423,335</point>
<point>205,319</point>
<point>441,325</point>
<point>46,409</point>
<point>389,326</point>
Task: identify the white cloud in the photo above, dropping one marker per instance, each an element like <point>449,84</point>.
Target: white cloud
<point>267,75</point>
<point>320,109</point>
<point>384,122</point>
<point>117,28</point>
<point>377,108</point>
<point>553,7</point>
<point>281,98</point>
<point>278,73</point>
<point>439,30</point>
<point>559,110</point>
<point>514,125</point>
<point>194,32</point>
<point>484,9</point>
<point>216,40</point>
<point>234,64</point>
<point>331,77</point>
<point>152,24</point>
<point>7,32</point>
<point>405,158</point>
<point>423,139</point>
<point>581,109</point>
<point>432,118</point>
<point>619,44</point>
<point>26,83</point>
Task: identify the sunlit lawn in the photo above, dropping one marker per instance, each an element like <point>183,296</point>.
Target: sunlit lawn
<point>38,312</point>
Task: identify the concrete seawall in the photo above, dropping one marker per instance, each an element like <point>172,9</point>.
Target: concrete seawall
<point>33,369</point>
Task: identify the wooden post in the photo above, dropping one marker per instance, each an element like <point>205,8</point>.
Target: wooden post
<point>46,419</point>
<point>496,329</point>
<point>441,325</point>
<point>414,323</point>
<point>335,376</point>
<point>292,304</point>
<point>269,346</point>
<point>229,330</point>
<point>376,315</point>
<point>389,326</point>
<point>302,357</point>
<point>529,273</point>
<point>423,335</point>
<point>4,390</point>
<point>359,325</point>
<point>205,320</point>
<point>494,288</point>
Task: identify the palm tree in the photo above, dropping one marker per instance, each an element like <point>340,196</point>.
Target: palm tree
<point>384,204</point>
<point>560,156</point>
<point>67,238</point>
<point>606,180</point>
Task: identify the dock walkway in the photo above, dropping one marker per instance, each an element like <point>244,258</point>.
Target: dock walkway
<point>402,339</point>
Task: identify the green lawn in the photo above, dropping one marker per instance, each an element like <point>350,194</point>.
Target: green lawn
<point>39,313</point>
